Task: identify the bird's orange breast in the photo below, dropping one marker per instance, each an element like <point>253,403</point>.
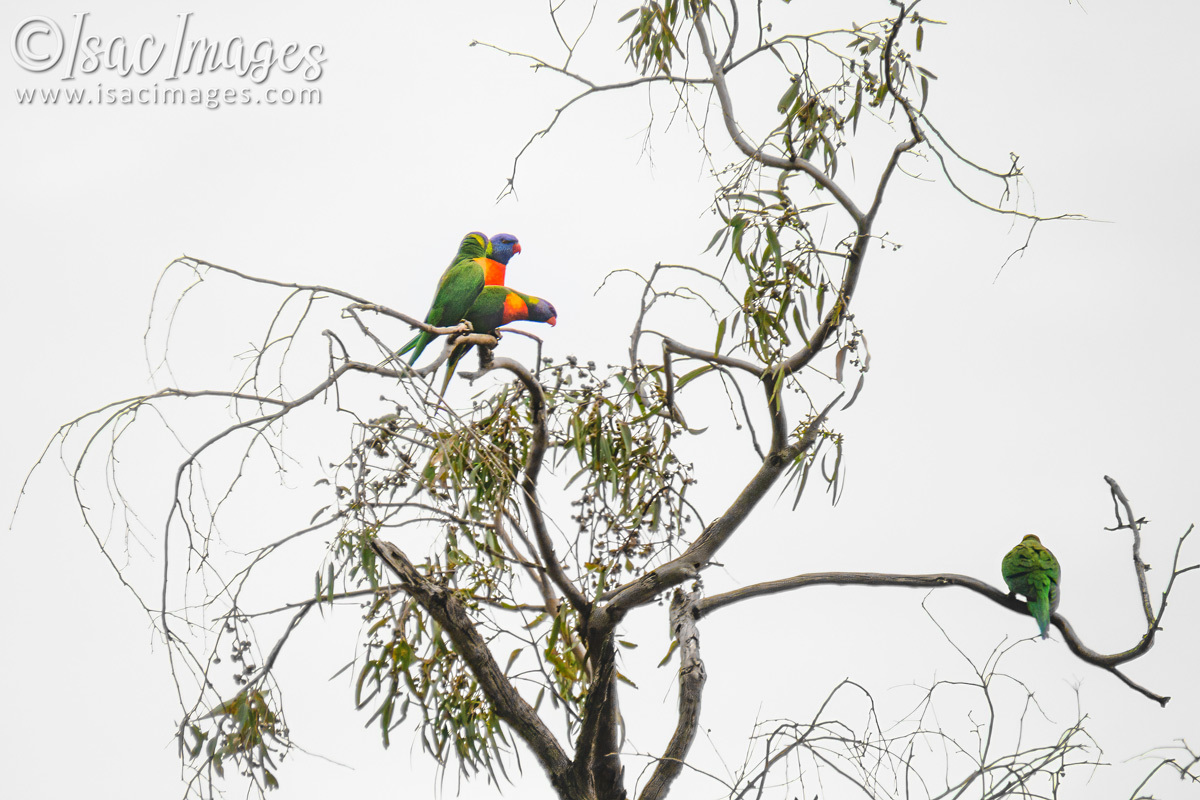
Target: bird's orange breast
<point>493,271</point>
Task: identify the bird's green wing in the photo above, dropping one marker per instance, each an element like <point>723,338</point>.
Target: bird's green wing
<point>1015,569</point>
<point>457,289</point>
<point>485,315</point>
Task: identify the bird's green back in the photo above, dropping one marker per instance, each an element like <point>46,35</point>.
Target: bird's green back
<point>1029,569</point>
<point>457,289</point>
<point>1028,558</point>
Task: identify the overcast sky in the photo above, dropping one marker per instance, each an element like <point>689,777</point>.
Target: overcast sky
<point>993,406</point>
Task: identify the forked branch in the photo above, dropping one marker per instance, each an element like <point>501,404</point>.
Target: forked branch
<point>700,553</point>
<point>1134,526</point>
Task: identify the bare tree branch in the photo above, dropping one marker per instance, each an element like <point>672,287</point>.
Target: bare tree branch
<point>691,689</point>
<point>712,358</point>
<point>1134,525</point>
<point>698,555</point>
<point>937,581</point>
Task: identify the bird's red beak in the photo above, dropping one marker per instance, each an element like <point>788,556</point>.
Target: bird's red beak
<point>517,247</point>
<point>553,321</point>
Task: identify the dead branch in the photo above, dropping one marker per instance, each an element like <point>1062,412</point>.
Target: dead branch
<point>1133,525</point>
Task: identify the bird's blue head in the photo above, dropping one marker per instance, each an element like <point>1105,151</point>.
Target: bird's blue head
<point>504,247</point>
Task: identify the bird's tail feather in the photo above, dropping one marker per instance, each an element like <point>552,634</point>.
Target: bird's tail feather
<point>418,343</point>
<point>1039,604</point>
<point>458,353</point>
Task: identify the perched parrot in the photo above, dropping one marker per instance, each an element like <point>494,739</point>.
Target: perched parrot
<point>496,306</point>
<point>504,247</point>
<point>1031,570</point>
<point>460,284</point>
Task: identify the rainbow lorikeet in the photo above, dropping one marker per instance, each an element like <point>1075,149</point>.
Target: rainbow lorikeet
<point>496,306</point>
<point>1031,570</point>
<point>504,247</point>
<point>457,289</point>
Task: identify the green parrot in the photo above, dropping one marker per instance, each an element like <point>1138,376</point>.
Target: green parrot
<point>496,306</point>
<point>460,284</point>
<point>1031,570</point>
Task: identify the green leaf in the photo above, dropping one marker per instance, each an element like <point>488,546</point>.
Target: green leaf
<point>773,244</point>
<point>688,378</point>
<point>633,11</point>
<point>920,37</point>
<point>362,677</point>
<point>604,453</point>
<point>386,718</point>
<point>200,736</point>
<point>720,336</point>
<point>720,232</point>
<point>752,198</point>
<point>577,427</point>
<point>853,115</point>
<point>575,477</point>
<point>739,225</point>
<point>789,96</point>
<point>857,389</point>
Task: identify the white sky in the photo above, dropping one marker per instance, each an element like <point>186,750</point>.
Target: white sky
<point>993,407</point>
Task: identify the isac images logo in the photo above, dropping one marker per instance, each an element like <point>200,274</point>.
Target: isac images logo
<point>39,46</point>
